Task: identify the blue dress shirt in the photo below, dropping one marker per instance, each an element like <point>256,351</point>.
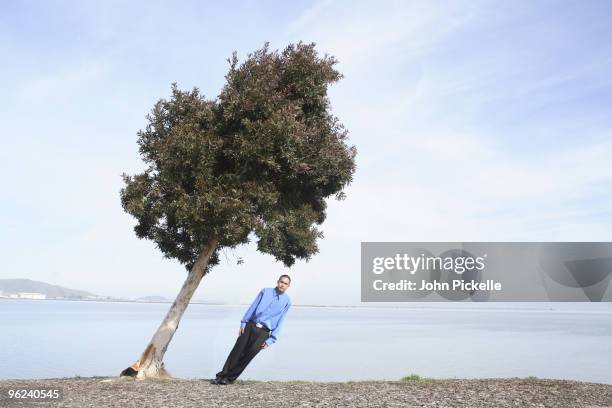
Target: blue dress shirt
<point>269,308</point>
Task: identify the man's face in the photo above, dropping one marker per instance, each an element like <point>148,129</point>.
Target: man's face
<point>282,284</point>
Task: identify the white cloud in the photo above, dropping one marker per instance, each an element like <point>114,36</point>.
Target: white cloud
<point>357,32</point>
<point>61,85</point>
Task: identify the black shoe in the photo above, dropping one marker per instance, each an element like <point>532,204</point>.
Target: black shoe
<point>221,381</point>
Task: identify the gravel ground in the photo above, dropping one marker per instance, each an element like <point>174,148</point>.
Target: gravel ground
<point>127,393</point>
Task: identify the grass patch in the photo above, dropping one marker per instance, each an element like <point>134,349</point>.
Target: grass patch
<point>408,378</point>
<point>272,382</point>
<point>414,377</point>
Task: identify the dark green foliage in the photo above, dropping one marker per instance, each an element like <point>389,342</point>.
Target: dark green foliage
<point>261,158</point>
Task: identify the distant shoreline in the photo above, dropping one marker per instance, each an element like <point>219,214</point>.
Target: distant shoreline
<point>110,301</point>
<point>191,303</point>
<point>439,306</point>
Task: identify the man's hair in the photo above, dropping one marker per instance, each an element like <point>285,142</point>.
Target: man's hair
<point>285,276</point>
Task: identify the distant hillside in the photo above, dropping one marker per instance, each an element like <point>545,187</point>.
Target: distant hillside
<point>52,291</point>
<point>160,299</point>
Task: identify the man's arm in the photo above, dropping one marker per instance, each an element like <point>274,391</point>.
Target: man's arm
<point>274,333</point>
<point>251,310</point>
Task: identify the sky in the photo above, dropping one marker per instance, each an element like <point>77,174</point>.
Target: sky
<point>473,120</point>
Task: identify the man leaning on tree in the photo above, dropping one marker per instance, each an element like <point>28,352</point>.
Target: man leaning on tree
<point>259,328</point>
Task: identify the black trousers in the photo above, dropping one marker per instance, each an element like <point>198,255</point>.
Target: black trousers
<point>247,346</point>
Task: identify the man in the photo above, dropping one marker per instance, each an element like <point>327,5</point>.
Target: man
<point>259,328</point>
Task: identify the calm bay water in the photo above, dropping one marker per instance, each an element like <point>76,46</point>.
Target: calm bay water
<point>49,339</point>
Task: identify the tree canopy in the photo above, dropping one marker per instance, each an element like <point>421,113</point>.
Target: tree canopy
<point>262,157</point>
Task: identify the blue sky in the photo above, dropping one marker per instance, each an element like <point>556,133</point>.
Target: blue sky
<point>473,121</point>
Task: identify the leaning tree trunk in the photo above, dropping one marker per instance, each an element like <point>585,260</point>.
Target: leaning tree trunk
<point>150,364</point>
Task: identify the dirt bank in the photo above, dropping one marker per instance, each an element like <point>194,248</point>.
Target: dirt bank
<point>127,393</point>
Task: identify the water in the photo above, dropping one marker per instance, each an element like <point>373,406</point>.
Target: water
<point>50,339</point>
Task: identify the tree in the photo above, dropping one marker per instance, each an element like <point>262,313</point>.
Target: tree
<point>260,159</point>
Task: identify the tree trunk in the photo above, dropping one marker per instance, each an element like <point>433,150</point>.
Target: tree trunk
<point>150,364</point>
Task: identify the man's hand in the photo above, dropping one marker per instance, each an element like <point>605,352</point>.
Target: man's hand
<point>241,331</point>
<point>264,345</point>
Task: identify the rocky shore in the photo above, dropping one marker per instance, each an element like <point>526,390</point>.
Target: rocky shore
<point>128,393</point>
